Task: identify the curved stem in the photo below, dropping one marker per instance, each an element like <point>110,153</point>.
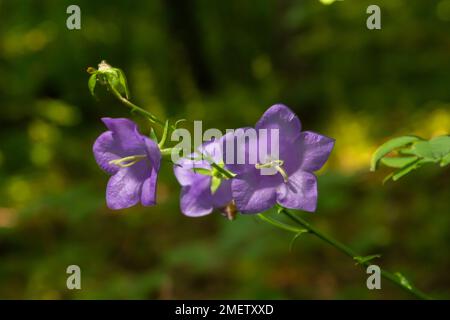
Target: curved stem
<point>135,108</point>
<point>399,281</point>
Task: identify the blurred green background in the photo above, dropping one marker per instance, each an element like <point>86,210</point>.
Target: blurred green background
<point>223,62</point>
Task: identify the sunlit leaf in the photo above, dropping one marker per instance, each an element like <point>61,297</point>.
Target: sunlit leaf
<point>440,146</point>
<point>403,280</point>
<point>153,135</point>
<point>410,167</point>
<point>123,83</point>
<point>91,84</point>
<point>328,2</point>
<point>435,148</point>
<point>164,135</point>
<point>397,162</point>
<point>389,146</point>
<point>203,171</point>
<point>445,160</point>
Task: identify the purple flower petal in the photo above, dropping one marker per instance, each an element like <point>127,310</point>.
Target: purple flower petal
<point>153,152</point>
<point>128,140</point>
<point>282,118</point>
<point>195,200</point>
<point>105,150</point>
<point>223,195</point>
<point>300,192</point>
<point>124,188</point>
<point>315,150</point>
<point>148,192</point>
<point>184,172</point>
<point>254,193</point>
<point>233,147</point>
<point>134,183</point>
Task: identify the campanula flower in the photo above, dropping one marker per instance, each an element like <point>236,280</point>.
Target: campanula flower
<point>204,188</point>
<point>292,183</point>
<point>132,159</point>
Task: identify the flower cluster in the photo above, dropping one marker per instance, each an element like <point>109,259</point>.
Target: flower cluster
<point>208,181</point>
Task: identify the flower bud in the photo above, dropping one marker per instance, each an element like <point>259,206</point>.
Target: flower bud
<point>113,78</point>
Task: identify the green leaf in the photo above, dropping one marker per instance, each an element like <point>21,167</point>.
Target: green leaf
<point>291,244</point>
<point>405,282</point>
<point>436,148</point>
<point>405,170</point>
<point>389,146</point>
<point>363,260</point>
<point>440,146</point>
<point>397,162</point>
<point>423,149</point>
<point>91,83</point>
<point>224,172</point>
<point>445,160</point>
<point>282,225</point>
<point>164,136</point>
<point>123,83</point>
<point>153,135</point>
<point>410,167</point>
<point>215,184</point>
<point>178,122</point>
<point>203,171</point>
<point>406,152</point>
<point>328,2</point>
<point>388,177</point>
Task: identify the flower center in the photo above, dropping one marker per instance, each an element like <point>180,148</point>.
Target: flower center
<point>277,165</point>
<point>128,161</point>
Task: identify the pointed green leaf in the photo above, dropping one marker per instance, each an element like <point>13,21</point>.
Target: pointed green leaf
<point>203,171</point>
<point>445,160</point>
<point>291,244</point>
<point>440,146</point>
<point>123,83</point>
<point>178,122</point>
<point>389,146</point>
<point>397,162</point>
<point>282,225</point>
<point>410,167</point>
<point>91,83</point>
<point>153,135</point>
<point>423,149</point>
<point>164,135</point>
<point>405,282</point>
<point>436,148</point>
<point>406,169</point>
<point>388,177</point>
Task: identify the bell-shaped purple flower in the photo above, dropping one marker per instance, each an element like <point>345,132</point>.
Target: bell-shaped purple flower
<point>133,161</point>
<point>292,183</point>
<point>197,177</point>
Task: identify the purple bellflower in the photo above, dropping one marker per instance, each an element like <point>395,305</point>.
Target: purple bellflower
<point>292,184</point>
<point>133,161</point>
<point>203,187</point>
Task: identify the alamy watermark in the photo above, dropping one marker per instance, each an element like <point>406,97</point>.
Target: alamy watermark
<point>237,146</point>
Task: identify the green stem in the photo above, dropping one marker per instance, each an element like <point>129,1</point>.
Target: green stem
<point>135,108</point>
<point>352,254</point>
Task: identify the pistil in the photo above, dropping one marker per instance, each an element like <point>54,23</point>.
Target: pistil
<point>127,161</point>
<point>277,164</point>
